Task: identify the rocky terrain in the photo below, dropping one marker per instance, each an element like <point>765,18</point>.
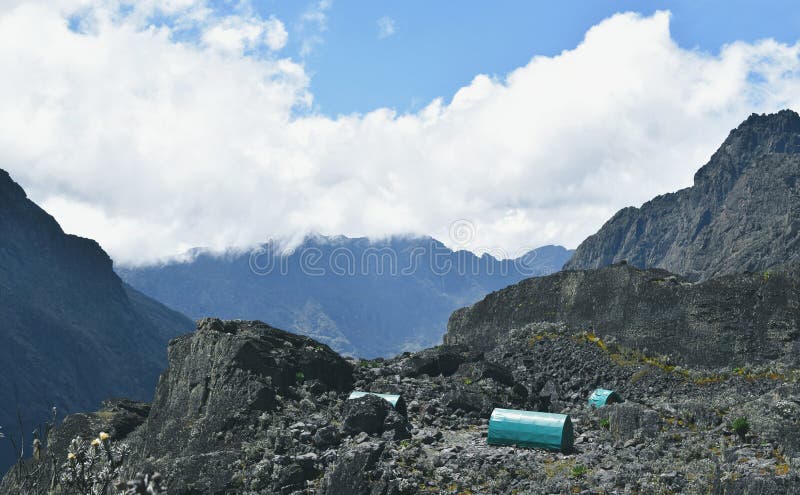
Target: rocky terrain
<point>246,408</point>
<point>741,214</point>
<point>363,297</point>
<point>706,362</point>
<point>72,333</point>
<point>734,320</point>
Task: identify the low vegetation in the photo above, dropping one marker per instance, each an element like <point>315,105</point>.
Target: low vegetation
<point>740,426</point>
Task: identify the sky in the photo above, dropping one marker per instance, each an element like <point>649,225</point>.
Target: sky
<point>159,126</point>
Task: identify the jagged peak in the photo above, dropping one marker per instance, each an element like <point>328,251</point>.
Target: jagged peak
<point>757,135</point>
<point>783,119</point>
<point>9,188</point>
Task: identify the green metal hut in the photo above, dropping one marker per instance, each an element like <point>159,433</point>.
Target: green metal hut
<point>531,429</point>
<point>600,397</point>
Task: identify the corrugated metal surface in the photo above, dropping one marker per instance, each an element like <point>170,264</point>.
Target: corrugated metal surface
<point>600,397</point>
<point>530,429</point>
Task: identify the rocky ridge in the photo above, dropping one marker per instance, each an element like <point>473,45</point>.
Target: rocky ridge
<point>735,320</point>
<point>741,214</point>
<point>246,408</point>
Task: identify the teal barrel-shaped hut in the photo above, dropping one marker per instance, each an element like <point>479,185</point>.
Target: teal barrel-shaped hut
<point>395,400</point>
<point>530,429</point>
<point>600,397</point>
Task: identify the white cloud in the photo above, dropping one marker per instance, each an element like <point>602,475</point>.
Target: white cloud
<point>238,34</point>
<point>152,145</point>
<point>313,22</point>
<point>386,27</point>
<point>317,14</point>
<point>276,35</point>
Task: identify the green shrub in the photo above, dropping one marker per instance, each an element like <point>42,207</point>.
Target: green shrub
<point>605,423</point>
<point>578,470</point>
<point>740,426</point>
<point>299,377</point>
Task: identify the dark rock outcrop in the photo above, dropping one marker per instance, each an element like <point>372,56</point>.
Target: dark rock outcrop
<point>732,320</point>
<point>374,416</point>
<point>741,214</point>
<point>72,333</point>
<point>351,474</point>
<point>440,360</point>
<point>222,381</point>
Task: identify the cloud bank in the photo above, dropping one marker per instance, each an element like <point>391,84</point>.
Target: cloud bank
<point>154,137</point>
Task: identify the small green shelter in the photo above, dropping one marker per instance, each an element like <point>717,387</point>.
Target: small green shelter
<point>530,429</point>
<point>600,397</point>
<point>395,400</point>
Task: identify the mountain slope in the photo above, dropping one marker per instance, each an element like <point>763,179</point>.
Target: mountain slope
<point>72,333</point>
<point>360,297</point>
<point>741,214</point>
<point>734,320</point>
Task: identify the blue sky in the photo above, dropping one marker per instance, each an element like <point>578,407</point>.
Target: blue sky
<point>439,47</point>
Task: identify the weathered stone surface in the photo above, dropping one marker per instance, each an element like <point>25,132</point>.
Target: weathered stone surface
<point>327,436</point>
<point>460,398</point>
<point>672,435</point>
<point>374,416</point>
<point>733,320</point>
<point>351,473</point>
<point>365,414</point>
<point>441,360</point>
<point>220,382</point>
<point>630,420</point>
<point>742,213</point>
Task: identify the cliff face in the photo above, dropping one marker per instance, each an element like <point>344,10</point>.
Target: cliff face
<point>732,320</point>
<point>741,214</point>
<point>72,333</point>
<point>361,297</point>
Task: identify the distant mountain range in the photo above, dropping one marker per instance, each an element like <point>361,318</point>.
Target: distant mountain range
<point>362,297</point>
<point>741,214</point>
<point>72,332</point>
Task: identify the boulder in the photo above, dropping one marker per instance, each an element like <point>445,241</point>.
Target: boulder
<point>374,416</point>
<point>467,400</point>
<point>353,471</point>
<point>629,420</point>
<point>442,360</point>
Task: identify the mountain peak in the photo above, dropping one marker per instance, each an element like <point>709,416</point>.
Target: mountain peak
<point>10,190</point>
<point>759,134</point>
<point>767,133</point>
<point>781,121</point>
<point>738,215</point>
